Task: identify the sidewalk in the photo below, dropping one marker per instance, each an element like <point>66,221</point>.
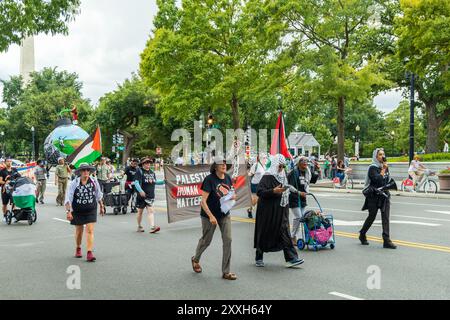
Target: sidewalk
<point>328,186</point>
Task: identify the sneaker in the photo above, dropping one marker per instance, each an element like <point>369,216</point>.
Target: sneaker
<point>90,257</point>
<point>295,262</point>
<point>250,215</point>
<point>140,229</point>
<point>4,219</point>
<point>155,229</point>
<point>78,253</point>
<point>259,263</point>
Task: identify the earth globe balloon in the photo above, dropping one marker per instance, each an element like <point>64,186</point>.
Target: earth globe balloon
<point>63,140</point>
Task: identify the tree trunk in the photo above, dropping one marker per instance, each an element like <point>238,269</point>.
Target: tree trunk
<point>432,127</point>
<point>235,112</point>
<point>128,140</point>
<point>340,125</point>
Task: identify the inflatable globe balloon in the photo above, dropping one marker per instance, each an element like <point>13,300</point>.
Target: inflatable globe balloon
<point>63,141</point>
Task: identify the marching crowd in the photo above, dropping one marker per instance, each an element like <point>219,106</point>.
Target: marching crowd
<point>278,186</point>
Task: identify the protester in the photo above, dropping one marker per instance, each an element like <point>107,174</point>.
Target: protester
<point>40,175</point>
<point>416,170</point>
<point>5,177</point>
<point>81,201</point>
<point>445,146</point>
<point>103,173</point>
<point>340,170</point>
<point>272,215</point>
<point>214,187</point>
<point>256,173</point>
<point>300,178</point>
<point>333,167</point>
<point>327,166</point>
<point>377,177</point>
<point>112,170</point>
<point>62,174</point>
<point>130,173</point>
<point>145,182</point>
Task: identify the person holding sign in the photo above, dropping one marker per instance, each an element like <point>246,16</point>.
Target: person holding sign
<point>216,187</point>
<point>145,182</point>
<point>82,198</point>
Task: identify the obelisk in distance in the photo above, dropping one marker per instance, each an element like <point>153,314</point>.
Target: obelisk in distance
<point>27,58</point>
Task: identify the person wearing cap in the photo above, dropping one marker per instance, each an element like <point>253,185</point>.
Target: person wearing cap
<point>215,186</point>
<point>82,200</point>
<point>145,182</point>
<point>40,175</point>
<point>5,177</point>
<point>103,173</point>
<point>62,174</point>
<point>272,215</point>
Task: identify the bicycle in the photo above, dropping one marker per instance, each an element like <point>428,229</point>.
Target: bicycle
<point>347,182</point>
<point>426,185</point>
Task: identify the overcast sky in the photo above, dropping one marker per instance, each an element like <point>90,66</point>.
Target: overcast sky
<point>103,47</point>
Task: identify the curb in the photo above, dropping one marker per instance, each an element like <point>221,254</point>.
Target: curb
<point>393,193</point>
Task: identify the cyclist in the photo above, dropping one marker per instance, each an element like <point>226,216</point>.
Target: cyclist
<point>130,173</point>
<point>5,178</point>
<point>416,170</point>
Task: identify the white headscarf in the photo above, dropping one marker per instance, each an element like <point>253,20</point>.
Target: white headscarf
<point>275,162</point>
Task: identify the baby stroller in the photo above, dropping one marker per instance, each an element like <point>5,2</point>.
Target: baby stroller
<point>115,196</point>
<point>317,229</point>
<point>24,200</point>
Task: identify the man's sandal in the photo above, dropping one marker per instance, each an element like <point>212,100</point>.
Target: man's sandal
<point>229,276</point>
<point>196,266</point>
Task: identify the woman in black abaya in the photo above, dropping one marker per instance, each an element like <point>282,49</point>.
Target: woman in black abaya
<point>272,215</point>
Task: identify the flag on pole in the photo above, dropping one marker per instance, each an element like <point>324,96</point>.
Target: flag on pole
<point>279,144</point>
<point>89,151</point>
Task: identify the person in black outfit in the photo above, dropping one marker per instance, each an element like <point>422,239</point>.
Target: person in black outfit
<point>5,177</point>
<point>377,177</point>
<point>130,173</point>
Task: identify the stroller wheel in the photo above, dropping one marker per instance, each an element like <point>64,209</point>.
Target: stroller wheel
<point>30,218</point>
<point>116,211</point>
<point>316,248</point>
<point>8,217</point>
<point>300,244</point>
<point>124,210</point>
<point>332,246</point>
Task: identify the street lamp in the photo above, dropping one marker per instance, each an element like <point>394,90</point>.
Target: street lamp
<point>32,134</point>
<point>411,77</point>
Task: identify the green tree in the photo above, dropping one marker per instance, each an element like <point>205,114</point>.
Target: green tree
<point>329,50</point>
<point>423,32</point>
<point>209,55</point>
<point>22,18</point>
<point>39,104</point>
<point>130,109</point>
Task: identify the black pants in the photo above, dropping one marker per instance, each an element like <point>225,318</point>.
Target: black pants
<point>289,254</point>
<point>385,213</point>
<point>102,185</point>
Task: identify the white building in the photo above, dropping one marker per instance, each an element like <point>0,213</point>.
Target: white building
<point>301,143</point>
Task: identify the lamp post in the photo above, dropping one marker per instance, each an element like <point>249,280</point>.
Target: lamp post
<point>411,77</point>
<point>357,129</point>
<point>209,126</point>
<point>393,140</point>
<point>33,151</point>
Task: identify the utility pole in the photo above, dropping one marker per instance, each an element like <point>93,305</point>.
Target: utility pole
<point>411,118</point>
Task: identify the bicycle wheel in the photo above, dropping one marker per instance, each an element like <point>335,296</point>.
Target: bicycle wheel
<point>430,187</point>
<point>350,183</point>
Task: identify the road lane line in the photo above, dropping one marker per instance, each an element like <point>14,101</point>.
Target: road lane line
<point>375,239</point>
<point>435,211</point>
<point>66,221</point>
<point>343,295</point>
<point>422,218</point>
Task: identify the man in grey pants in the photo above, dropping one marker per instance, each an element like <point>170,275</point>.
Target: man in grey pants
<point>215,186</point>
<point>40,174</point>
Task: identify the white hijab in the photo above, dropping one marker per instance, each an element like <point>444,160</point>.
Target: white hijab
<point>275,162</point>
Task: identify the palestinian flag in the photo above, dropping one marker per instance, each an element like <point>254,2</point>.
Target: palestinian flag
<point>89,151</point>
<point>279,144</point>
<point>24,194</point>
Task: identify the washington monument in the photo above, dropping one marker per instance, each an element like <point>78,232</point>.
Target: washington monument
<point>27,64</point>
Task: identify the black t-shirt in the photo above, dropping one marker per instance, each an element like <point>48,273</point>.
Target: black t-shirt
<point>4,173</point>
<point>84,200</point>
<point>130,172</point>
<point>296,178</point>
<point>217,188</point>
<point>147,181</point>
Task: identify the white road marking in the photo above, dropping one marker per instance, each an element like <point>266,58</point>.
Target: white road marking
<point>423,218</point>
<point>360,223</point>
<point>66,221</point>
<point>443,212</point>
<point>345,296</point>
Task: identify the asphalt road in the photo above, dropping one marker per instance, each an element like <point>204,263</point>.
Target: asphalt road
<point>34,260</point>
